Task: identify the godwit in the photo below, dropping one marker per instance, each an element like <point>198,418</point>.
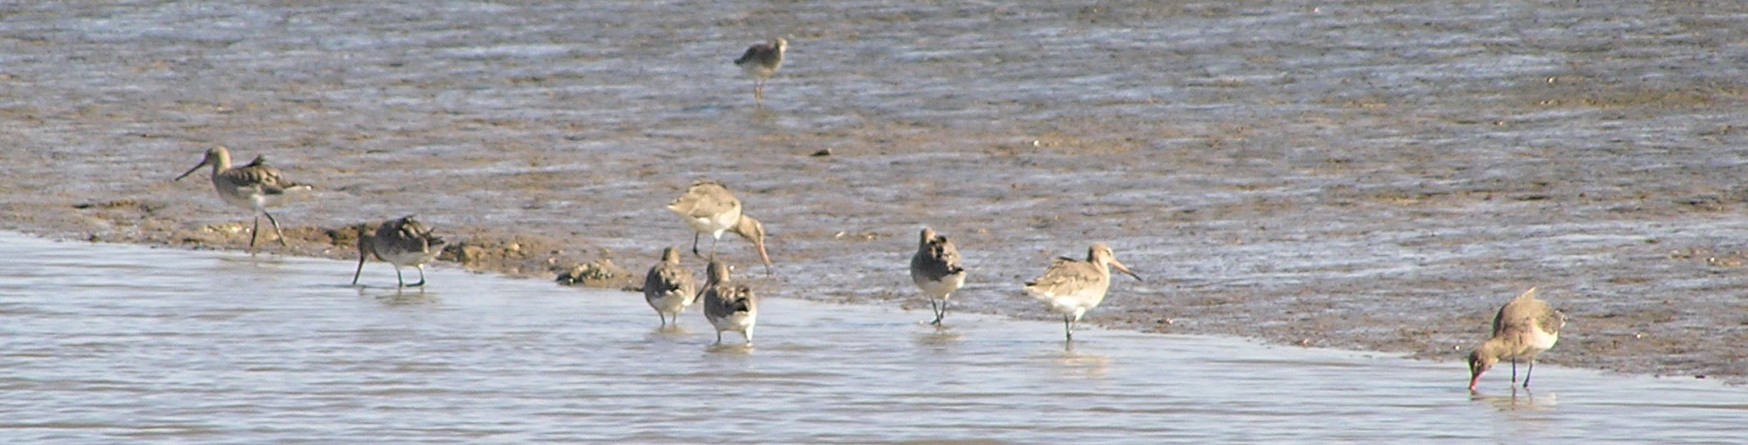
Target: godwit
<point>399,242</point>
<point>760,62</point>
<point>729,306</point>
<point>935,268</point>
<point>1073,287</point>
<point>250,187</point>
<point>1522,329</point>
<point>708,207</point>
<point>669,288</point>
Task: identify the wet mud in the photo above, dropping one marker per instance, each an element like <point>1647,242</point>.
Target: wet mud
<point>1374,175</point>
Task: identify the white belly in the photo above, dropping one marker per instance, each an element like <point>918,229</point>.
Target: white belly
<point>412,258</point>
<point>940,289</point>
<point>1073,303</point>
<point>757,71</point>
<point>738,322</point>
<point>243,197</point>
<point>671,302</point>
<point>713,225</point>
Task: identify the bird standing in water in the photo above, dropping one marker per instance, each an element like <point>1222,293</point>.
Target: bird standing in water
<point>760,62</point>
<point>1071,287</point>
<point>729,306</point>
<point>1522,329</point>
<point>936,270</point>
<point>669,287</point>
<point>399,242</point>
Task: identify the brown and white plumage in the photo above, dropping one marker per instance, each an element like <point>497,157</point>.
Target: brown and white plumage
<point>728,305</point>
<point>1071,287</point>
<point>708,207</point>
<point>1522,329</point>
<point>400,242</point>
<point>936,270</point>
<point>254,187</point>
<point>760,62</point>
<point>669,287</point>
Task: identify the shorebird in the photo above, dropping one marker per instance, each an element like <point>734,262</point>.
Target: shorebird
<point>669,288</point>
<point>252,187</point>
<point>1522,329</point>
<point>1073,287</point>
<point>729,306</point>
<point>760,62</point>
<point>935,268</point>
<point>399,242</point>
<point>708,207</point>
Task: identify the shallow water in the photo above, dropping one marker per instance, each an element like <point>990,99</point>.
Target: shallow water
<point>109,343</point>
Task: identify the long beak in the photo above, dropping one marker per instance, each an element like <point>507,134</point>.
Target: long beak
<point>1125,269</point>
<point>1474,380</point>
<point>191,171</point>
<point>764,256</point>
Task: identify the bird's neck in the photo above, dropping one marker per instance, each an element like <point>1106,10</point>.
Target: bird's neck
<point>220,165</point>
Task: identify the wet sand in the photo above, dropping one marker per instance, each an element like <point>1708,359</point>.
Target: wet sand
<point>1358,175</point>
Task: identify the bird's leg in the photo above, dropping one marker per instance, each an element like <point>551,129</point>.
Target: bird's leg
<point>360,270</point>
<point>254,232</point>
<point>398,281</point>
<point>421,282</point>
<point>719,338</point>
<point>713,248</point>
<point>1513,370</point>
<point>1526,373</point>
<point>695,245</point>
<point>276,231</point>
<point>1068,326</point>
<point>935,306</point>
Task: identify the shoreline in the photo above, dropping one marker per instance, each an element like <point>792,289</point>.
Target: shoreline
<point>1349,175</point>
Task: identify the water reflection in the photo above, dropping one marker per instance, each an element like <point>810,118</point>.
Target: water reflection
<point>1518,400</point>
<point>1082,365</point>
<point>403,298</point>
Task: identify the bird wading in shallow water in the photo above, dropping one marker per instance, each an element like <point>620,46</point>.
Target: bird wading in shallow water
<point>1522,329</point>
<point>760,62</point>
<point>936,270</point>
<point>1071,287</point>
<point>669,287</point>
<point>709,208</point>
<point>399,242</point>
<point>253,187</point>
<point>728,305</point>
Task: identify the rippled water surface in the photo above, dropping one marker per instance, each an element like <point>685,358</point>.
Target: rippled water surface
<point>123,344</point>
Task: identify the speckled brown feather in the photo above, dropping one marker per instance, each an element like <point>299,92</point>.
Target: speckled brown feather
<point>705,199</point>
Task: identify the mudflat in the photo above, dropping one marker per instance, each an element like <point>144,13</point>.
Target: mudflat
<point>1376,175</point>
